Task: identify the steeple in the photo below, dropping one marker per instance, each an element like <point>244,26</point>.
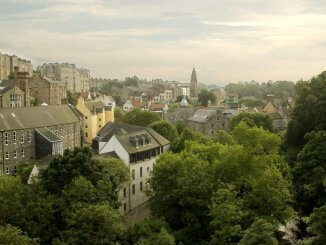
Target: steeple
<point>193,84</point>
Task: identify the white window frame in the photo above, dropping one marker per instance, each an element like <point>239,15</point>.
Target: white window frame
<point>14,137</point>
<point>22,137</point>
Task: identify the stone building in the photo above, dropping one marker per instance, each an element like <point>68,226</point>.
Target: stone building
<point>139,148</point>
<point>9,62</point>
<point>30,133</point>
<point>96,115</point>
<point>76,79</point>
<point>11,95</point>
<point>208,122</point>
<point>48,91</point>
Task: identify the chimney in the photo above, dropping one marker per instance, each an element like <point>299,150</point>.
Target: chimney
<point>270,97</point>
<point>209,103</point>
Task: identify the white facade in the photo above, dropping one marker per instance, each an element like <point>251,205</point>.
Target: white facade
<point>127,106</point>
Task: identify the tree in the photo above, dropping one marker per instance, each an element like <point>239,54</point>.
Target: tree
<point>310,172</point>
<point>253,120</point>
<point>308,114</point>
<point>317,225</point>
<point>10,235</point>
<point>71,98</point>
<point>140,118</point>
<point>151,231</point>
<point>212,191</point>
<point>93,224</point>
<point>118,114</point>
<point>165,129</point>
<point>259,233</point>
<point>204,96</point>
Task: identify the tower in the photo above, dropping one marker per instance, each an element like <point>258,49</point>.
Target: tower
<point>193,84</point>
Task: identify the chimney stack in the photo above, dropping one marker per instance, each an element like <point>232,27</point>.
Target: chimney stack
<point>270,97</point>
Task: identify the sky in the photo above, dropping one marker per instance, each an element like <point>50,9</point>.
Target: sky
<point>225,40</point>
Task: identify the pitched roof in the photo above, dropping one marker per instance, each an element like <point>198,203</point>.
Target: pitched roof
<point>157,106</point>
<point>125,133</point>
<point>201,115</point>
<point>6,85</point>
<point>47,134</point>
<point>92,105</point>
<point>36,117</point>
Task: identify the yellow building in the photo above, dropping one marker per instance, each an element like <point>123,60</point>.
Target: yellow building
<point>96,115</point>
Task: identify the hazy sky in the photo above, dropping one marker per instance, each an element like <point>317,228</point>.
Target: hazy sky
<point>225,40</point>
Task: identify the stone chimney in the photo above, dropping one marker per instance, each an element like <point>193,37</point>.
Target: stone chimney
<point>270,97</point>
<point>21,81</point>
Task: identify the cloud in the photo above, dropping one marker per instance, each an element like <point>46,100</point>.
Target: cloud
<point>226,40</point>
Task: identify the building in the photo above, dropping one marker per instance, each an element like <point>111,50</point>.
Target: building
<point>30,133</point>
<point>193,84</point>
<point>208,122</point>
<point>231,101</point>
<point>279,113</point>
<point>47,91</point>
<point>76,79</point>
<point>127,106</point>
<point>139,148</point>
<point>96,115</point>
<point>9,62</point>
<point>11,95</point>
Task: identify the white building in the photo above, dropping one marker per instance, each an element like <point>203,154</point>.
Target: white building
<point>138,148</point>
<point>127,106</point>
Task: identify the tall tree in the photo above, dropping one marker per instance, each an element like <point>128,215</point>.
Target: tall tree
<point>204,96</point>
<point>309,114</point>
<point>310,172</point>
<point>165,129</point>
<point>253,120</point>
<point>317,226</point>
<point>10,235</point>
<point>140,118</point>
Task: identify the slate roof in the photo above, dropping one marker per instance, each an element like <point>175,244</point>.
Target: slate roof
<point>125,133</point>
<point>36,117</point>
<point>6,85</point>
<point>180,114</point>
<point>92,105</point>
<point>201,115</point>
<point>47,134</point>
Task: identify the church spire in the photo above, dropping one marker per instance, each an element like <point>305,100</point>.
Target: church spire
<point>193,84</point>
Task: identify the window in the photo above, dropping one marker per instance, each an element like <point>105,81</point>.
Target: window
<point>124,192</point>
<point>15,154</point>
<point>22,136</point>
<point>141,186</point>
<point>85,117</point>
<point>6,138</point>
<point>7,170</point>
<point>99,119</point>
<point>85,125</point>
<point>14,137</point>
<point>147,169</point>
<point>18,100</point>
<point>29,136</point>
<point>23,152</point>
<point>15,169</point>
<point>12,100</point>
<point>86,135</point>
<point>133,174</point>
<point>7,155</point>
<point>99,126</point>
<point>125,207</point>
<point>141,172</point>
<point>133,189</point>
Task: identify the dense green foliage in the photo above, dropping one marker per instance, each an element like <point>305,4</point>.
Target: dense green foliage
<point>140,118</point>
<point>118,114</point>
<point>10,235</point>
<point>309,113</point>
<point>214,191</point>
<point>252,120</point>
<point>310,173</point>
<point>204,96</point>
<point>260,91</point>
<point>317,226</point>
<point>165,129</point>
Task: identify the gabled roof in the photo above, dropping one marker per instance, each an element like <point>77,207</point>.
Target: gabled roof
<point>48,135</point>
<point>92,105</point>
<point>125,134</point>
<point>202,115</point>
<point>36,117</point>
<point>6,85</point>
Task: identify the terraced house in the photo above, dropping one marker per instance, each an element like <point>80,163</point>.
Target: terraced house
<point>32,133</point>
